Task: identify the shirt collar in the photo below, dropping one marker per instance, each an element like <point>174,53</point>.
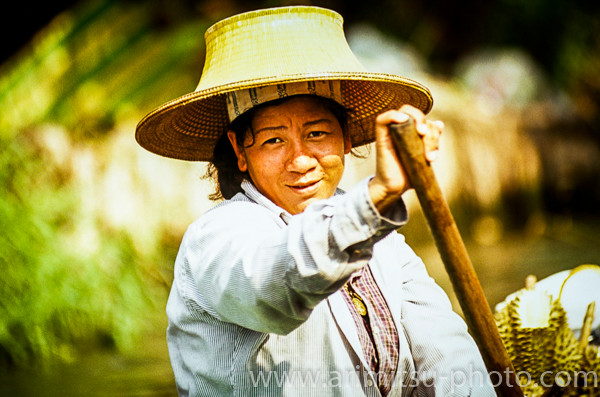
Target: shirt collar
<point>252,192</point>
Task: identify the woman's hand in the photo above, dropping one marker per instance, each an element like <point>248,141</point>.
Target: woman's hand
<point>390,180</point>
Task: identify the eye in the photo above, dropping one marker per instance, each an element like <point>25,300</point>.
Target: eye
<point>316,134</point>
<point>272,141</point>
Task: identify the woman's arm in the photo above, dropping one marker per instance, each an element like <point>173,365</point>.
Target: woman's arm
<point>241,266</point>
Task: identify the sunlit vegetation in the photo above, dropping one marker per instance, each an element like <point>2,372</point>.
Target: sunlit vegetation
<point>77,268</point>
<point>61,287</point>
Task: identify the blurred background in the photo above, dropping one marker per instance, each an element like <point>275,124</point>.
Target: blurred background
<point>91,222</point>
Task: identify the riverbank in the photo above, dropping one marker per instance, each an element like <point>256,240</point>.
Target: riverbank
<point>145,371</point>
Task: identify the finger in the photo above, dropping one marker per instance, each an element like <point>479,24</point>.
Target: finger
<point>432,155</point>
<point>435,129</point>
<point>413,112</point>
<point>429,131</point>
<point>427,127</point>
<point>423,129</point>
<point>432,140</point>
<point>431,148</point>
<point>391,116</point>
<point>382,123</point>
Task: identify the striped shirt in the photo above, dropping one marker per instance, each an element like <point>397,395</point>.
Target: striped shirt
<point>257,308</point>
<point>376,329</point>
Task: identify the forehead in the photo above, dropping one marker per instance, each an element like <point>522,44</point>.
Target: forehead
<point>302,108</point>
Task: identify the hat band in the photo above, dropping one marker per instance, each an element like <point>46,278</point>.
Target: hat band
<point>241,101</point>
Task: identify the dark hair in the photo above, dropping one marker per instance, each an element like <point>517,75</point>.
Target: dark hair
<point>223,168</point>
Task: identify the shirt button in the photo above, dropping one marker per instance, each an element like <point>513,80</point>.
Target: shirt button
<point>369,383</point>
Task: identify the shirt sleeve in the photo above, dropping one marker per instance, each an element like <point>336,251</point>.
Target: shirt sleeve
<point>239,264</point>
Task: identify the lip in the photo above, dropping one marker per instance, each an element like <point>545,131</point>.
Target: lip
<point>305,188</point>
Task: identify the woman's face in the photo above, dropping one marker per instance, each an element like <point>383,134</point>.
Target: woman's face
<point>297,153</point>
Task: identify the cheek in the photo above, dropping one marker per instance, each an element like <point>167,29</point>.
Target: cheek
<point>334,167</point>
<point>332,161</point>
<point>334,157</point>
<point>263,167</point>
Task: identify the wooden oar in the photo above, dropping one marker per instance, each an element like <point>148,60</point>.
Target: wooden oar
<point>475,307</point>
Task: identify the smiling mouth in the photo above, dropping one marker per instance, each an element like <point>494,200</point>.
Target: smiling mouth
<point>305,187</point>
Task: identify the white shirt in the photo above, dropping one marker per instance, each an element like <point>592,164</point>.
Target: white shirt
<point>255,310</point>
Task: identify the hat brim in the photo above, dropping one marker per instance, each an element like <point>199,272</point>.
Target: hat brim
<point>187,128</point>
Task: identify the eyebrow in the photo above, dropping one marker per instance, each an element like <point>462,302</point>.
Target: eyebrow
<point>307,124</point>
<point>319,121</point>
<point>256,132</point>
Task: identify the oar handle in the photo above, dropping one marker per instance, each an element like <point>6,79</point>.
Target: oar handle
<point>477,312</point>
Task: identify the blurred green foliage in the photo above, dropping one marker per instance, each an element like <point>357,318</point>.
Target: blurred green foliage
<point>71,280</point>
<point>100,62</point>
<point>53,296</point>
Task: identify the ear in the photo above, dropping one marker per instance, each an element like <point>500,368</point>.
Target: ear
<point>347,143</point>
<point>239,152</point>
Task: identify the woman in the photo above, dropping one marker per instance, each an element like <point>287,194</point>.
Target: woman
<point>291,287</point>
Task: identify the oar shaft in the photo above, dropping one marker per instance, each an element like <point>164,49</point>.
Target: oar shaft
<point>478,315</point>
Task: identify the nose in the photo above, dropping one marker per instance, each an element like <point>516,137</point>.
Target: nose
<point>300,159</point>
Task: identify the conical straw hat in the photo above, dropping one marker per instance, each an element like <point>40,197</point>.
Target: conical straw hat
<point>269,47</point>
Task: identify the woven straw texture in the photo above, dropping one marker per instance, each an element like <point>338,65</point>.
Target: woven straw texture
<point>266,47</point>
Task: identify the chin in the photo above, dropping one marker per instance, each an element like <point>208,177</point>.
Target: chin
<point>300,207</point>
